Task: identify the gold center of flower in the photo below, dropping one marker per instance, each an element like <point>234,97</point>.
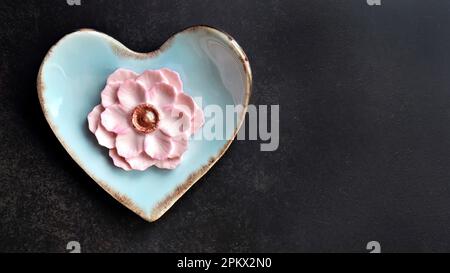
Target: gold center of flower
<point>145,118</point>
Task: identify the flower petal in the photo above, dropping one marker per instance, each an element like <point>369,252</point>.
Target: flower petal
<point>173,78</point>
<point>197,120</point>
<point>121,75</point>
<point>174,122</point>
<point>187,102</point>
<point>130,144</point>
<point>158,145</point>
<point>115,119</point>
<point>109,94</point>
<point>141,162</point>
<point>94,117</point>
<point>169,163</point>
<point>179,146</point>
<point>105,138</point>
<point>130,95</point>
<point>118,160</point>
<point>150,78</point>
<point>196,113</point>
<point>160,95</point>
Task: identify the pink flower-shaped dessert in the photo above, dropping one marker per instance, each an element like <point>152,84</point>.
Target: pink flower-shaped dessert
<point>145,119</point>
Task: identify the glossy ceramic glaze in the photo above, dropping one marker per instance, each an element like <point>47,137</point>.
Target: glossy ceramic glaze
<point>213,68</point>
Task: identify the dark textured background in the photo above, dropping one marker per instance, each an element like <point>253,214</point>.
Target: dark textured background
<point>364,125</point>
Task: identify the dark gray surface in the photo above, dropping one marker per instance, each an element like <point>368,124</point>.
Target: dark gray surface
<point>364,122</point>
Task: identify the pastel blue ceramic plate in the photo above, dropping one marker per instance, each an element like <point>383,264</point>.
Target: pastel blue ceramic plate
<point>212,66</point>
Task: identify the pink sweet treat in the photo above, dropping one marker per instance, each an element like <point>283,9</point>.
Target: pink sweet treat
<point>145,119</point>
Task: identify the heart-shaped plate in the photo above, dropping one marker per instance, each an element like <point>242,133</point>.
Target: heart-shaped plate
<point>212,66</point>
